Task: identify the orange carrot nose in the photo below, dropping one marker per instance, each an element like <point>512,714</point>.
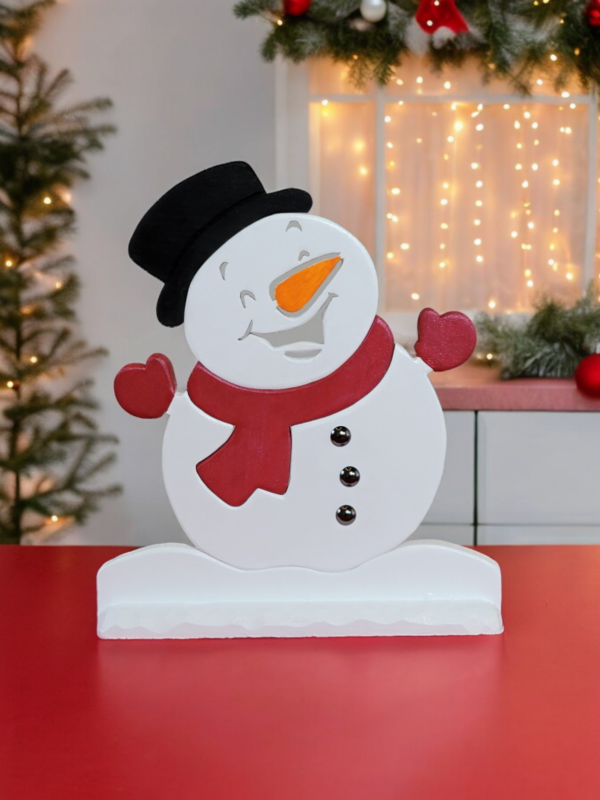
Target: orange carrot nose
<point>294,292</point>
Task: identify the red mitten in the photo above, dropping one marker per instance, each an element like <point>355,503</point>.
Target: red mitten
<point>445,341</point>
<point>146,390</point>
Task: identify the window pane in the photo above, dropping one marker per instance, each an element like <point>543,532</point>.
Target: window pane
<point>342,166</point>
<point>486,204</point>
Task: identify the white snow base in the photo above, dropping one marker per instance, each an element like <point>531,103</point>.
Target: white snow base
<point>422,588</point>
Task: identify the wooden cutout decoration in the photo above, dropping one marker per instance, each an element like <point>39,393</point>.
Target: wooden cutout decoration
<point>445,341</point>
<point>296,291</point>
<point>146,390</point>
<point>307,442</point>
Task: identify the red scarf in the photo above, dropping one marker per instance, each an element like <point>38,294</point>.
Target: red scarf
<point>258,453</point>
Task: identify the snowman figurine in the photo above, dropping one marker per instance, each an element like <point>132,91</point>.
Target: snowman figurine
<point>307,445</point>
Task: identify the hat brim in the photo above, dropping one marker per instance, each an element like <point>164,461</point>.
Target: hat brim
<point>171,302</point>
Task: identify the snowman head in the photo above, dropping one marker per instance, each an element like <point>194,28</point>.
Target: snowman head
<point>284,302</point>
<point>271,298</point>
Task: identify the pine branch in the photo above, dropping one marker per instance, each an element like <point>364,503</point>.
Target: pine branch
<point>548,345</point>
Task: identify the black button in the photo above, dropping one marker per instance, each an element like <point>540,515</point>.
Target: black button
<point>345,515</point>
<point>340,436</point>
<point>349,476</point>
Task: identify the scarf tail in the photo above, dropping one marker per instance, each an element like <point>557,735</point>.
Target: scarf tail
<point>247,462</point>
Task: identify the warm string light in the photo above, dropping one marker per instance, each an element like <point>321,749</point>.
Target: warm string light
<point>394,191</point>
<point>442,259</point>
<point>525,225</point>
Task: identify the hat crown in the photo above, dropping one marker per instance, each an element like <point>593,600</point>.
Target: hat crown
<point>169,227</point>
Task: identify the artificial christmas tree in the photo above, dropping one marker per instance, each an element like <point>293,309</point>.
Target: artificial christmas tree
<point>49,441</point>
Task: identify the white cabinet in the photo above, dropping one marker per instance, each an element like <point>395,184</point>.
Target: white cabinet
<point>539,468</point>
<point>537,479</point>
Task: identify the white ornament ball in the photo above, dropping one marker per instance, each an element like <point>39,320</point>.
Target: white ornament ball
<point>373,10</point>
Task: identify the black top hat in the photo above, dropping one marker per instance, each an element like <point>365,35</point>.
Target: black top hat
<point>196,217</point>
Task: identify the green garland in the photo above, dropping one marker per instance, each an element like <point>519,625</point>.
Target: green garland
<point>511,39</point>
<point>550,344</point>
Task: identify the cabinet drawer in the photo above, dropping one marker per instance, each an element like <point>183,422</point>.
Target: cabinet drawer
<point>454,500</point>
<point>539,468</point>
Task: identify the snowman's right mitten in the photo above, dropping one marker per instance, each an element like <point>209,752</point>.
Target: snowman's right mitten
<point>146,390</point>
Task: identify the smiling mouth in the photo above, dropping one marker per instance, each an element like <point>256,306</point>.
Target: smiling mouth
<point>310,332</point>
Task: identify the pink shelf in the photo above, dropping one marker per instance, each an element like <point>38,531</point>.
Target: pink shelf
<point>473,388</point>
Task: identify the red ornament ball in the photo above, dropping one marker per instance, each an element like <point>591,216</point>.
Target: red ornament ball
<point>295,8</point>
<point>592,13</point>
<point>587,375</point>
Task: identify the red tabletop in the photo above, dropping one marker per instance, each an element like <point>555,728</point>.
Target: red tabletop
<point>459,718</point>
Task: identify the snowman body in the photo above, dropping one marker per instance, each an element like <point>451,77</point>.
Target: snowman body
<point>397,445</point>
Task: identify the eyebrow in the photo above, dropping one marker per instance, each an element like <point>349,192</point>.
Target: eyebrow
<point>222,269</point>
<point>244,294</point>
<point>293,224</point>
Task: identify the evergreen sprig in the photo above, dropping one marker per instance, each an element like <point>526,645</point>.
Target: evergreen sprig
<point>550,344</point>
<point>51,450</point>
<point>510,39</point>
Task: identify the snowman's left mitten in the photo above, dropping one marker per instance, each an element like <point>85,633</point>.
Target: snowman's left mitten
<point>445,341</point>
<point>146,390</point>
